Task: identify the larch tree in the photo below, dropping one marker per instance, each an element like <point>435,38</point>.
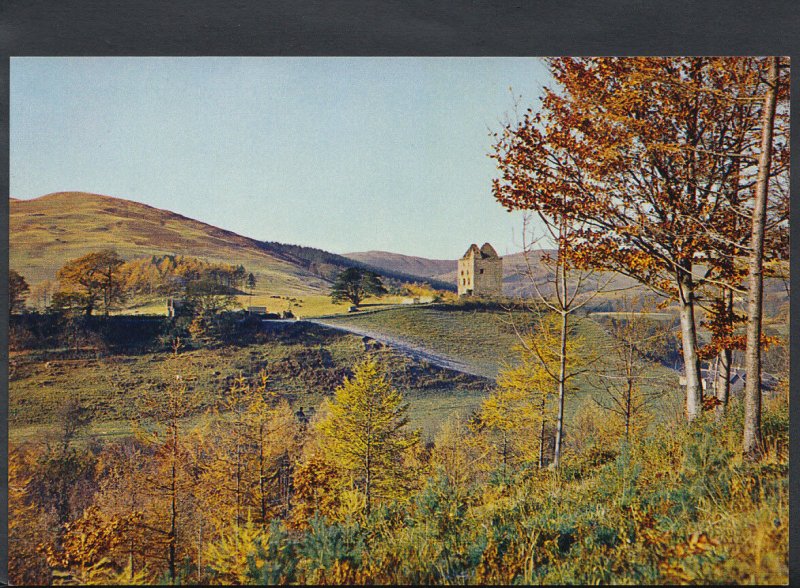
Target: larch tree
<point>629,386</point>
<point>29,523</point>
<point>160,425</point>
<point>365,433</point>
<point>120,496</point>
<point>507,421</point>
<point>252,438</point>
<point>569,285</point>
<point>532,378</point>
<point>640,150</point>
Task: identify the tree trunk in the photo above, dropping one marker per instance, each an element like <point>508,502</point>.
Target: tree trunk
<point>541,434</point>
<point>174,510</point>
<point>722,385</point>
<point>691,361</point>
<point>628,399</point>
<point>262,477</point>
<point>562,374</point>
<point>752,446</point>
<point>238,484</point>
<point>368,482</point>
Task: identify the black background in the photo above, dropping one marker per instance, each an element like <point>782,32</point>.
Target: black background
<point>390,27</point>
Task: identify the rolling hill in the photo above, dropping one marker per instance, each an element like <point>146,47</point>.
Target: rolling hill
<point>409,264</point>
<point>46,232</point>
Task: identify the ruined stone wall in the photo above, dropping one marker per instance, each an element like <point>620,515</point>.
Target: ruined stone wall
<point>488,277</point>
<point>480,277</point>
<point>466,273</point>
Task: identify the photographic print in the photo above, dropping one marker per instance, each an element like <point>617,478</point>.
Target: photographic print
<point>399,320</point>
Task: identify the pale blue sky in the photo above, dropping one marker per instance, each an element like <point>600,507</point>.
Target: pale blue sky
<point>345,154</point>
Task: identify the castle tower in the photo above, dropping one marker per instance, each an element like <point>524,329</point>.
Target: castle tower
<point>480,272</point>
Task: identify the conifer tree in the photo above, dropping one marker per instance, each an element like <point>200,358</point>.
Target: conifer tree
<point>170,482</point>
<point>366,434</point>
<point>354,284</point>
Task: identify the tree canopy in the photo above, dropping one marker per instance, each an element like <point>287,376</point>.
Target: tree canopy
<point>17,291</point>
<point>653,157</point>
<point>354,285</point>
<point>94,280</point>
<point>366,432</point>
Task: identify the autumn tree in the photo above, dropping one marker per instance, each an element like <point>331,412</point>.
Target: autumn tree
<point>122,496</point>
<point>17,292</point>
<point>454,455</point>
<point>252,439</point>
<point>365,433</point>
<point>94,279</point>
<point>160,426</point>
<point>63,466</point>
<point>506,422</point>
<point>640,150</point>
<point>528,386</point>
<point>82,557</point>
<point>354,284</point>
<point>729,243</point>
<point>29,523</point>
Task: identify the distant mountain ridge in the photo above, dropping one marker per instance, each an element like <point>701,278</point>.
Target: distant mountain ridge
<point>418,266</point>
<point>516,268</point>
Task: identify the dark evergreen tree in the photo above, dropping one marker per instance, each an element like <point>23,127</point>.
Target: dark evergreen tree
<point>355,284</point>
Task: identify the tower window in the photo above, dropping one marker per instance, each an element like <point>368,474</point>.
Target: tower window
<point>481,271</point>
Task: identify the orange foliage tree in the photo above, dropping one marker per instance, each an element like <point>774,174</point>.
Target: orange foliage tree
<point>643,152</point>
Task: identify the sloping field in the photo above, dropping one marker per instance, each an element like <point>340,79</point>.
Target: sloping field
<point>483,340</point>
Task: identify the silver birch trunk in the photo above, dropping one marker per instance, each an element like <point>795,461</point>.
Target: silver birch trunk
<point>752,445</point>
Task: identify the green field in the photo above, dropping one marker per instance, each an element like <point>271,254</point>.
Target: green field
<point>483,340</point>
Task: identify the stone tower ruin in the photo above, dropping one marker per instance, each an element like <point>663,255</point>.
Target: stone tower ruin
<point>480,272</point>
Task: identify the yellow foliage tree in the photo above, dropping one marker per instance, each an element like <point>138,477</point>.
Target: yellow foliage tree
<point>28,523</point>
<point>454,455</point>
<point>83,554</point>
<point>252,440</point>
<point>365,434</point>
<point>229,555</point>
<point>171,478</point>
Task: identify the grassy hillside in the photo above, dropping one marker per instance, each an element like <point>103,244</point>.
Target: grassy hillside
<point>483,340</point>
<point>305,364</point>
<point>46,232</point>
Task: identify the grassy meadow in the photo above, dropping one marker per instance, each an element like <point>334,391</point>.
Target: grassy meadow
<point>303,369</point>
